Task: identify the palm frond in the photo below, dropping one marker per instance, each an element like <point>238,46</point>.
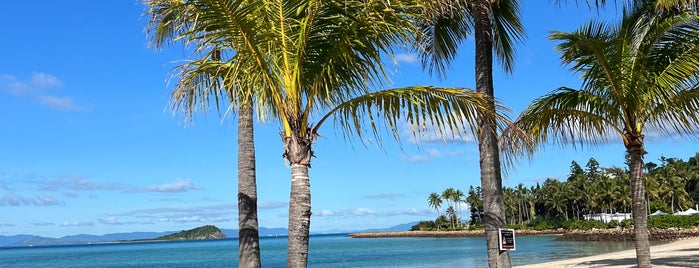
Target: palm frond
<point>676,115</point>
<point>444,27</point>
<point>507,31</point>
<point>569,116</point>
<point>450,112</point>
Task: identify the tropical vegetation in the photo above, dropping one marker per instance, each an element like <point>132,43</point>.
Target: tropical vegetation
<point>639,78</point>
<point>672,185</point>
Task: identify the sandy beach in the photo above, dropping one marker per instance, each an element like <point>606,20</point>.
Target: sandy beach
<point>682,253</point>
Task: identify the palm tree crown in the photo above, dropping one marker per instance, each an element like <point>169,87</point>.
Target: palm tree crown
<point>639,77</point>
<point>304,62</point>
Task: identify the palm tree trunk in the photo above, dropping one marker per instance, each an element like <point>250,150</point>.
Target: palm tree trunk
<point>635,150</point>
<point>249,240</point>
<point>491,180</point>
<point>299,217</point>
<point>298,152</point>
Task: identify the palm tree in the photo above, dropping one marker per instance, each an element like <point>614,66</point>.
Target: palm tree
<point>496,27</point>
<point>475,202</point>
<point>448,195</point>
<point>248,228</point>
<point>305,62</point>
<point>434,201</point>
<point>458,198</point>
<point>637,76</point>
<point>520,193</point>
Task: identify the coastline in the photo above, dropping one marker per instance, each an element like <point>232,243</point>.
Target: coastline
<point>612,234</point>
<point>459,233</point>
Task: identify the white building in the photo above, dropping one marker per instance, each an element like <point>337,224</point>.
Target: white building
<point>607,217</point>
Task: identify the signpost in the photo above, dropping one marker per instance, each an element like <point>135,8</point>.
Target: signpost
<point>507,239</point>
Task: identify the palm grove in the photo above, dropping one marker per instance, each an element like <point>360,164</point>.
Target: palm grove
<point>672,185</point>
<point>300,63</point>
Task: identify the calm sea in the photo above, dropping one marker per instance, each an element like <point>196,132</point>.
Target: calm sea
<point>325,251</point>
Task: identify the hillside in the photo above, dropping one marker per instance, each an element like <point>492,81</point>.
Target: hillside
<point>199,233</point>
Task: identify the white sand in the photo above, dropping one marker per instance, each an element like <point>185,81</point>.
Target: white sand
<point>682,253</point>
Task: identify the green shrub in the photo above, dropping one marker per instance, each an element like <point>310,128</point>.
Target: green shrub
<point>626,224</point>
<point>613,224</point>
<point>673,221</point>
<point>541,223</point>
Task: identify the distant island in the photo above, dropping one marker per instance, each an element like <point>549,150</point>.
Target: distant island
<point>207,232</point>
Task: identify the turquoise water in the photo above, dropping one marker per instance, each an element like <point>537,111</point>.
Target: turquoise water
<point>325,251</point>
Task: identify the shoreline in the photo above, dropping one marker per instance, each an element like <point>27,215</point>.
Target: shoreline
<point>612,234</point>
<point>458,233</point>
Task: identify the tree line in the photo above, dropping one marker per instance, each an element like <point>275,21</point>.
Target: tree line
<point>672,185</point>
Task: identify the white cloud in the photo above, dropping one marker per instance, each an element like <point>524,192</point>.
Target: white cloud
<point>58,103</point>
<point>385,196</point>
<point>324,213</point>
<point>406,58</point>
<point>16,200</point>
<point>39,89</point>
<point>73,182</point>
<point>76,224</point>
<point>367,212</point>
<point>429,155</point>
<point>216,213</point>
<point>363,211</point>
<point>45,80</point>
<point>272,204</point>
<point>111,221</point>
<point>179,185</point>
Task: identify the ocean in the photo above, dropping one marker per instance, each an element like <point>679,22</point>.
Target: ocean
<point>325,251</point>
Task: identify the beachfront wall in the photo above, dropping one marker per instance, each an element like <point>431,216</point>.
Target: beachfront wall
<point>607,217</point>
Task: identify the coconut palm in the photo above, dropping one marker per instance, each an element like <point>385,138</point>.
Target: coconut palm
<point>475,202</point>
<point>434,201</point>
<point>306,62</point>
<point>458,198</point>
<point>638,76</point>
<point>495,25</point>
<point>248,229</point>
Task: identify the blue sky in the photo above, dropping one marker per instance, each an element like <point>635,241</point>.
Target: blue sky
<point>89,145</point>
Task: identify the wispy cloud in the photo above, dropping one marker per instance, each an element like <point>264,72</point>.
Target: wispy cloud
<point>74,182</point>
<point>77,224</point>
<point>40,88</point>
<point>272,204</point>
<point>111,221</point>
<point>15,200</point>
<point>43,223</point>
<point>406,58</point>
<point>429,155</point>
<point>180,185</point>
<point>215,213</point>
<point>368,212</point>
<point>385,196</point>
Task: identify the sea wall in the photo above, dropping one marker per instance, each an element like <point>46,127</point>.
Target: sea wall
<point>612,234</point>
<point>460,233</point>
<point>619,234</point>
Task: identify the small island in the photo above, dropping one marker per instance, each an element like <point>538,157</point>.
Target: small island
<point>207,232</point>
